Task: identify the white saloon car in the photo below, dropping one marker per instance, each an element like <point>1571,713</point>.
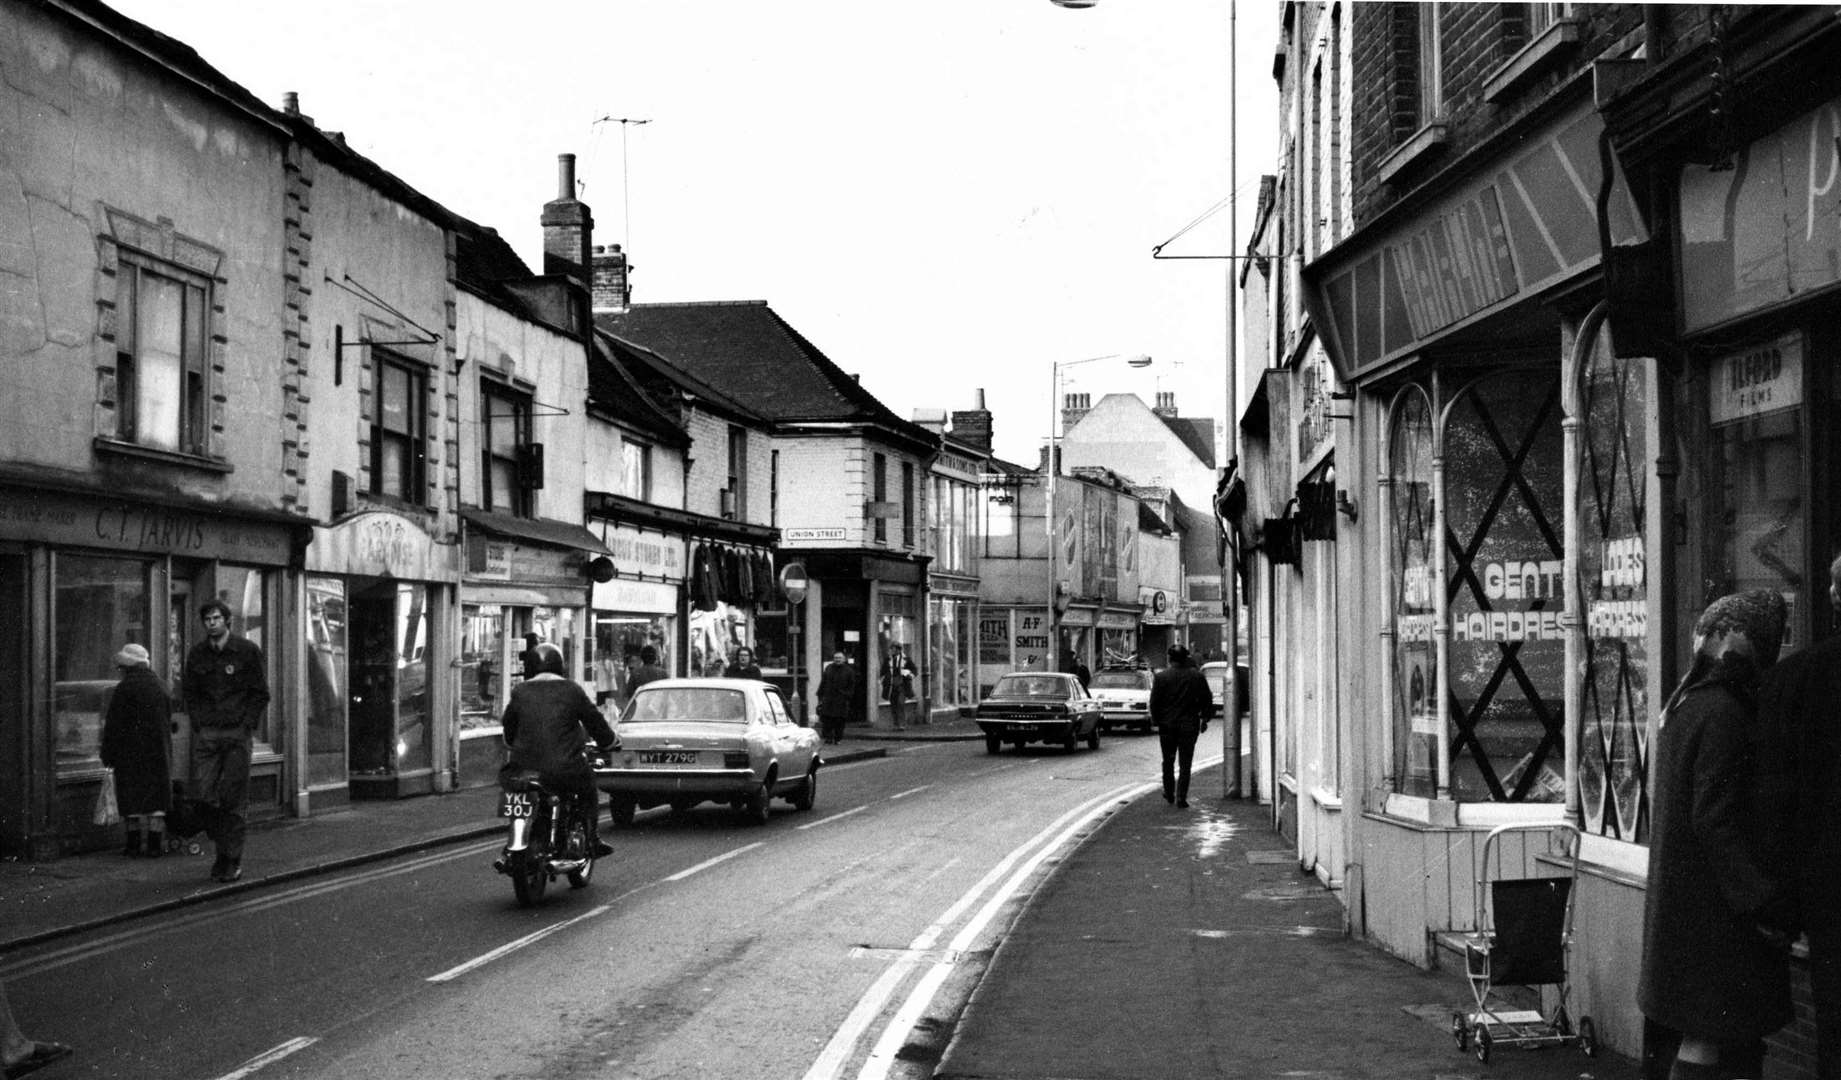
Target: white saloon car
<point>1124,697</point>
<point>687,741</point>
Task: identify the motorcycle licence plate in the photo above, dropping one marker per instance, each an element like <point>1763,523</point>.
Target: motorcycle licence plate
<point>515,804</point>
<point>668,757</point>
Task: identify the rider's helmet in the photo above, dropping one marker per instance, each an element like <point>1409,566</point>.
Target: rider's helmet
<point>547,658</point>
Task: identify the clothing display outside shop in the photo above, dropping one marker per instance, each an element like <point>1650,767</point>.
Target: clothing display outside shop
<point>726,585</point>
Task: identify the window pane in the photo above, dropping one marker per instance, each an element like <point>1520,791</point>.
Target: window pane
<point>393,470</point>
<point>413,749</point>
<point>326,680</point>
<point>482,682</point>
<point>158,329</point>
<point>393,400</point>
<point>1415,661</point>
<point>502,477</point>
<point>102,604</point>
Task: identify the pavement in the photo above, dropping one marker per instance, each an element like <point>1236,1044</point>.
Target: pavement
<point>1170,943</point>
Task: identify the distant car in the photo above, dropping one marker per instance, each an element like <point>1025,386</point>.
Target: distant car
<point>1215,671</point>
<point>1124,696</point>
<point>688,741</point>
<point>1038,706</point>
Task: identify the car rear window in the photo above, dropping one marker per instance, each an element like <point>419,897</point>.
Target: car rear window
<point>686,703</point>
<point>1031,686</point>
<point>1120,680</point>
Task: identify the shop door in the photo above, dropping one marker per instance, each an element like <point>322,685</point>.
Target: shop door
<point>372,735</point>
<point>182,632</point>
<point>15,805</point>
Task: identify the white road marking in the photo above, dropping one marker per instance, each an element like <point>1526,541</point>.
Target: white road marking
<point>269,1057</point>
<point>833,817</point>
<point>707,863</point>
<point>513,946</point>
<point>843,1042</point>
<point>910,791</point>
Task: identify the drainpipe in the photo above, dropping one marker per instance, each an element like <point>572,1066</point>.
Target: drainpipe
<point>1572,616</point>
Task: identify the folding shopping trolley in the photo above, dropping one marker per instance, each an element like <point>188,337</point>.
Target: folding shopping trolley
<point>1522,938</point>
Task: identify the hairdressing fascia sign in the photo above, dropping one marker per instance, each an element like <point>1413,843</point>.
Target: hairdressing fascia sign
<point>1765,228</point>
<point>1531,223</point>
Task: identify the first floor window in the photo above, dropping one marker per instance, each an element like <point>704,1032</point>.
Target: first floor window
<point>160,358</point>
<point>399,430</point>
<point>507,431</point>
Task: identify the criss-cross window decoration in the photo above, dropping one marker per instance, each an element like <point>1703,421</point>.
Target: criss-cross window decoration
<point>1413,540</point>
<point>1613,585</point>
<point>1503,494</point>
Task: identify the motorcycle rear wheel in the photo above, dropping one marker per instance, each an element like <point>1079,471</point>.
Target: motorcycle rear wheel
<point>529,879</point>
<point>578,841</point>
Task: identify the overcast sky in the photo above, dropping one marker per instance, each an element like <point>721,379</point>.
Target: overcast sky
<point>944,196</point>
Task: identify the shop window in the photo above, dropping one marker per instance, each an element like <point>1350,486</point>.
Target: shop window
<point>772,645</point>
<point>162,366</point>
<point>1613,587</point>
<point>512,466</point>
<point>101,604</point>
<point>245,590</point>
<point>1502,492</point>
<point>714,637</point>
<point>1413,541</point>
<point>482,664</point>
<point>399,429</point>
<point>326,681</point>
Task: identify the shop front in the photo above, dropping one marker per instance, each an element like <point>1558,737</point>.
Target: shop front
<point>1157,626</point>
<point>379,611</point>
<point>1010,639</point>
<point>860,604</point>
<point>952,647</point>
<point>85,573</point>
<point>524,582</point>
<point>1118,639</point>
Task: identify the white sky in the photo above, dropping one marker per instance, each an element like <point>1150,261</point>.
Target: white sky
<point>943,196</point>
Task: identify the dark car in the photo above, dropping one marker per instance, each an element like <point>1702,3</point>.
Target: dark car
<point>1038,706</point>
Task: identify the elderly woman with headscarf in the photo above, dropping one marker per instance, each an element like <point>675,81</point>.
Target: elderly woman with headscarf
<point>137,744</point>
<point>1715,957</point>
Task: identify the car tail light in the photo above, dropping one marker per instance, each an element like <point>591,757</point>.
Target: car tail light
<point>735,759</point>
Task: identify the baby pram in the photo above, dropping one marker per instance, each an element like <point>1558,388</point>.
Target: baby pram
<point>1522,938</point>
<point>183,823</point>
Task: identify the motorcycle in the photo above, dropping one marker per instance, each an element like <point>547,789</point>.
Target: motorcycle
<point>550,836</point>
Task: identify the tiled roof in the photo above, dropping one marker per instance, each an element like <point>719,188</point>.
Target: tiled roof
<point>620,392</point>
<point>664,378</point>
<point>1198,434</point>
<point>746,350</point>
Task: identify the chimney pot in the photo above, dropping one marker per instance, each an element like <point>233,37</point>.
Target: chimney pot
<point>290,103</point>
<point>565,176</point>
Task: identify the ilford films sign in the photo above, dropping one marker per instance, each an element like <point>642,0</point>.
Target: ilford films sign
<point>1530,223</point>
<point>1766,228</point>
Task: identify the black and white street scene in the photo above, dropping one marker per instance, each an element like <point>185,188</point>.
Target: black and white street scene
<point>994,540</point>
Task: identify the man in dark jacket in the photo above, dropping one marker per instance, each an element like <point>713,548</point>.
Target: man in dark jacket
<point>226,694</point>
<point>1800,810</point>
<point>1181,705</point>
<point>548,725</point>
<point>649,669</point>
<point>837,696</point>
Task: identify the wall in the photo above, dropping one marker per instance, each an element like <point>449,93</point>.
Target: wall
<point>528,355</point>
<point>89,130</point>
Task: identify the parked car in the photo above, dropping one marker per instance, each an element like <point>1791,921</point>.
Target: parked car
<point>1124,695</point>
<point>1038,706</point>
<point>688,741</point>
<point>1220,682</point>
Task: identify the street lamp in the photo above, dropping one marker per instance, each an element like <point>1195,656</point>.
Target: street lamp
<point>1052,468</point>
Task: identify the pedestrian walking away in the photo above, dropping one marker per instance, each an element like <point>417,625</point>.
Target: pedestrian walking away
<point>1181,706</point>
<point>837,693</point>
<point>1800,807</point>
<point>548,726</point>
<point>1715,973</point>
<point>226,695</point>
<point>1071,665</point>
<point>19,1054</point>
<point>137,744</point>
<point>898,685</point>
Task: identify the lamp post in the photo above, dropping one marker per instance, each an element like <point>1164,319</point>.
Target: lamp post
<point>1052,468</point>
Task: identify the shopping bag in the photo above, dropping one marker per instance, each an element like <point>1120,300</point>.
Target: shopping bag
<point>107,813</point>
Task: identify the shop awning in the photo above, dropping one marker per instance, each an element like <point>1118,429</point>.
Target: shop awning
<point>536,530</point>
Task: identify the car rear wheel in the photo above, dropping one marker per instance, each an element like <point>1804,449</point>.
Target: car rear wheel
<point>756,804</point>
<point>1093,738</point>
<point>808,792</point>
<point>1072,741</point>
<point>621,811</point>
<point>992,744</point>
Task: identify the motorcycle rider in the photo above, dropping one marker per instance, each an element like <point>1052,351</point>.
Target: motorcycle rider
<point>548,725</point>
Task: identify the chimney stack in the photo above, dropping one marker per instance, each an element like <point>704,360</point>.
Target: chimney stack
<point>612,288</point>
<point>568,228</point>
<point>973,426</point>
<point>1166,405</point>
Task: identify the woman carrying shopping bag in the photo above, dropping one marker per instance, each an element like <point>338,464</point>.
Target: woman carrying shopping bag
<point>137,744</point>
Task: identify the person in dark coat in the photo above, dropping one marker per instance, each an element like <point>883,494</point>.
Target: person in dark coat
<point>548,726</point>
<point>837,695</point>
<point>1181,705</point>
<point>743,666</point>
<point>226,694</point>
<point>898,684</point>
<point>137,744</point>
<point>649,669</point>
<point>1071,665</point>
<point>1715,955</point>
<point>1800,812</point>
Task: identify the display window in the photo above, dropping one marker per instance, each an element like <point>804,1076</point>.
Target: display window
<point>1614,590</point>
<point>100,604</point>
<point>326,680</point>
<point>1412,541</point>
<point>483,659</point>
<point>715,636</point>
